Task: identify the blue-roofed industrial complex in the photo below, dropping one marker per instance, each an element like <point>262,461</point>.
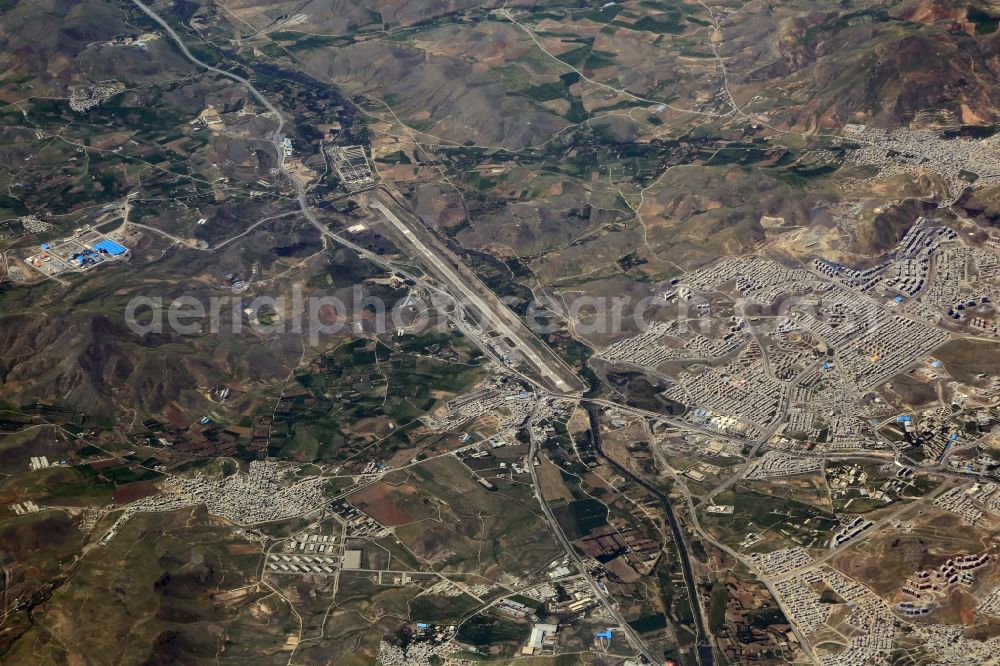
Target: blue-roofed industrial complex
<point>83,251</point>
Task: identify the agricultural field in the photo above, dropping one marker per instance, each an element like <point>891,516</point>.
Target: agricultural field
<point>418,333</point>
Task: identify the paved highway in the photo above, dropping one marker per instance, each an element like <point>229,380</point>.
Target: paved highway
<point>609,604</point>
<point>552,370</point>
<point>703,641</point>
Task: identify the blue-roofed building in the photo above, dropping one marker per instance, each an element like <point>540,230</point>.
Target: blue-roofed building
<point>111,247</point>
<point>606,634</point>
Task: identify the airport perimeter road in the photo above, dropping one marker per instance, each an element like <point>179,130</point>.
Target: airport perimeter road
<point>460,282</point>
<point>492,312</point>
<point>553,372</point>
